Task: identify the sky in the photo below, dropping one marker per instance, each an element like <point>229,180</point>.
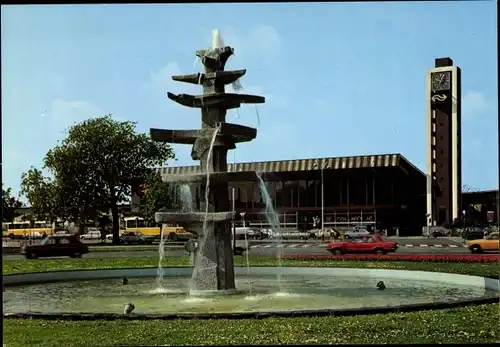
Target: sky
<point>340,79</point>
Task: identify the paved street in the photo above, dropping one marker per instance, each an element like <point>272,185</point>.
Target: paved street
<point>407,245</point>
<point>414,241</point>
<point>270,250</point>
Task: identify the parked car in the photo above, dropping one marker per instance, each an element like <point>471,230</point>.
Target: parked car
<point>356,232</point>
<point>56,246</point>
<point>289,235</point>
<point>489,244</point>
<point>241,231</point>
<point>175,234</point>
<point>237,250</point>
<point>136,237</point>
<point>474,233</point>
<point>371,243</point>
<point>62,232</point>
<point>319,234</point>
<point>91,235</point>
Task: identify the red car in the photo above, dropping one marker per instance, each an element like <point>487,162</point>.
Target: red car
<point>363,244</point>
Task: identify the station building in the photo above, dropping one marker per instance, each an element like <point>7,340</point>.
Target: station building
<point>383,191</point>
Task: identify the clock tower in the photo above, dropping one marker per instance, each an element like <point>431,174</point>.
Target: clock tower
<point>444,164</point>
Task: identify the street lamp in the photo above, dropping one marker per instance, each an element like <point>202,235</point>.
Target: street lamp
<point>234,226</point>
<point>242,214</point>
<point>325,166</point>
<point>429,222</point>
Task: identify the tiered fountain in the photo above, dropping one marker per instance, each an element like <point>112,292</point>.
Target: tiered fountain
<point>214,270</point>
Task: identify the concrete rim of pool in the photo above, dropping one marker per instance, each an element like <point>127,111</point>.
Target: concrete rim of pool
<point>75,275</point>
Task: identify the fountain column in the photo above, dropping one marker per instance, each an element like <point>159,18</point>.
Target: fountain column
<point>214,266</point>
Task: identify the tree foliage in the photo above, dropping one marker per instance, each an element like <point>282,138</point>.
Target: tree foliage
<point>44,196</point>
<point>9,205</point>
<point>469,189</point>
<point>99,160</point>
<point>157,196</point>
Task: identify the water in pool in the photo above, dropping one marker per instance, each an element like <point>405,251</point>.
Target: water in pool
<point>301,292</point>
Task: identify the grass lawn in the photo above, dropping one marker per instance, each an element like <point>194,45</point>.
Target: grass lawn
<point>473,324</point>
<point>43,265</point>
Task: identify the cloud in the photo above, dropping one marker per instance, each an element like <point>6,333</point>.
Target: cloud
<point>73,110</point>
<point>263,42</point>
<point>65,113</point>
<point>474,104</point>
<point>261,45</point>
<point>160,82</point>
<point>161,78</point>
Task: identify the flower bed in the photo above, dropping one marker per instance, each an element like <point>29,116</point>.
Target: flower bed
<point>438,258</point>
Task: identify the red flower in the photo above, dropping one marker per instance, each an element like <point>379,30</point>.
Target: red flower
<point>438,258</point>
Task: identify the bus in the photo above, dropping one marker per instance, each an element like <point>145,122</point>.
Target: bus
<point>171,232</point>
<point>18,230</point>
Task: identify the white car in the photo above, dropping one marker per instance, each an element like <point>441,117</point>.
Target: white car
<point>240,232</point>
<point>91,235</point>
<point>289,235</point>
<point>356,232</point>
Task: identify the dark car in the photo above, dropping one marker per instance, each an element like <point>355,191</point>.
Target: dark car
<point>136,237</point>
<point>56,246</point>
<point>474,233</point>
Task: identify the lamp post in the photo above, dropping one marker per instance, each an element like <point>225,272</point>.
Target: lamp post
<point>234,225</point>
<point>324,166</point>
<point>242,214</point>
<point>428,220</point>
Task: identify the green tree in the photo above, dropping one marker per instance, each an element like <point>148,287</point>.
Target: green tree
<point>44,195</point>
<point>156,196</point>
<point>9,205</point>
<point>99,160</point>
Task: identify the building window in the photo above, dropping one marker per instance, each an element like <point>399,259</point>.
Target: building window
<point>279,193</point>
<point>302,193</point>
<point>288,194</point>
<point>357,191</point>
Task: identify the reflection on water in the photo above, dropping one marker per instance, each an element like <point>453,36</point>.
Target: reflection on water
<point>303,292</point>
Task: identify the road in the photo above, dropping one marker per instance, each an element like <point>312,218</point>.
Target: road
<point>415,241</point>
<point>263,250</point>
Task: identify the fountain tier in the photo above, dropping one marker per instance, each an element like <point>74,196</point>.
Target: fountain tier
<point>214,265</point>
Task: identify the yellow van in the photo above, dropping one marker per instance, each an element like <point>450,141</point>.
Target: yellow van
<point>172,233</point>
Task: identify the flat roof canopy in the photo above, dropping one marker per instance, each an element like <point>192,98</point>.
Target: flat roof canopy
<point>312,164</point>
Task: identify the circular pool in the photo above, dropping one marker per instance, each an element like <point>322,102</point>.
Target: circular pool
<point>259,290</point>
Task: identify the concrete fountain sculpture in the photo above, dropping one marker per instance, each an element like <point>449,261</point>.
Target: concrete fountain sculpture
<point>215,269</point>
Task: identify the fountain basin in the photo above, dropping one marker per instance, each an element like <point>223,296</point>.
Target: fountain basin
<point>307,291</point>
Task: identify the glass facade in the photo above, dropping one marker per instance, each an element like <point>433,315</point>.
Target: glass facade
<point>307,194</point>
<point>347,200</point>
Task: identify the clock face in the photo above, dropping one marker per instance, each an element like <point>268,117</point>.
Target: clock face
<point>441,81</point>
